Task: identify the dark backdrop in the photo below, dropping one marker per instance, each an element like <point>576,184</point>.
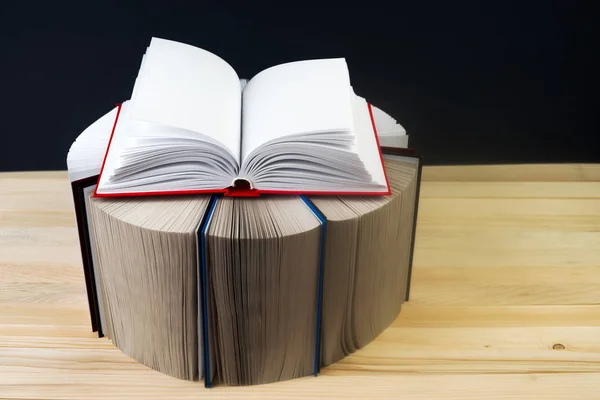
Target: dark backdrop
<point>472,82</point>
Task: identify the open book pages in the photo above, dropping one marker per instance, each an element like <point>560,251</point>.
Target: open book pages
<point>242,307</point>
<point>191,126</point>
<point>86,154</point>
<point>389,131</point>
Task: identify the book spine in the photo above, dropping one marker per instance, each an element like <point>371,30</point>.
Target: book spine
<point>323,221</point>
<point>86,250</point>
<point>414,228</point>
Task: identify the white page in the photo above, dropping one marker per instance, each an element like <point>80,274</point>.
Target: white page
<point>87,152</point>
<point>366,143</point>
<point>393,141</point>
<point>389,131</point>
<point>386,124</point>
<point>298,97</point>
<point>186,87</point>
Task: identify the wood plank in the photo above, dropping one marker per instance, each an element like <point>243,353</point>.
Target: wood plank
<point>533,342</point>
<point>23,194</point>
<point>505,286</point>
<point>36,259</point>
<point>37,219</point>
<point>56,342</point>
<point>44,293</point>
<point>532,240</point>
<point>509,257</point>
<point>514,173</point>
<point>39,314</point>
<point>497,248</point>
<point>509,214</point>
<point>35,175</point>
<point>487,190</point>
<point>37,254</point>
<point>514,222</point>
<point>68,384</point>
<point>50,331</point>
<point>36,236</point>
<point>419,315</point>
<point>64,270</point>
<point>499,208</point>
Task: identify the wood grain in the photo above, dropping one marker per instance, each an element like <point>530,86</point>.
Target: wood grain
<point>514,173</point>
<point>505,299</point>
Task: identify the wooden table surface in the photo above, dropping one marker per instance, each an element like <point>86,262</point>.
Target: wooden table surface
<point>505,299</point>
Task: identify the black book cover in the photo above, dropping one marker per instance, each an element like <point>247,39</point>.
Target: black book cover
<point>396,151</point>
<point>77,188</point>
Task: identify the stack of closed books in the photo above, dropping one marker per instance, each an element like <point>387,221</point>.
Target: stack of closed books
<point>243,232</point>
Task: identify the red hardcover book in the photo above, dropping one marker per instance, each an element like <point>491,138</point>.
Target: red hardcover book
<point>191,127</point>
<point>242,189</point>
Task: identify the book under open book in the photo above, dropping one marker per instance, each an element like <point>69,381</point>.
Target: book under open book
<point>193,126</point>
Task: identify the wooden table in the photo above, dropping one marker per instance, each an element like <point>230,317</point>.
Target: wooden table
<point>505,298</point>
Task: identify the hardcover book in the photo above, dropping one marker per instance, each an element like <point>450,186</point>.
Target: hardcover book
<point>191,126</point>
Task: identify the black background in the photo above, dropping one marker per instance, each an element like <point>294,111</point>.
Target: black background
<point>472,82</point>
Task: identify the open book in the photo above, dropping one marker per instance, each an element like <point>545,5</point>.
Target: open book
<point>192,126</point>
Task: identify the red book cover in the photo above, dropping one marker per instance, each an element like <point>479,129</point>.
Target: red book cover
<point>240,191</point>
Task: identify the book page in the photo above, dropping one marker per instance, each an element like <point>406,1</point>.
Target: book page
<point>149,157</point>
<point>147,245</point>
<point>389,131</point>
<point>189,88</point>
<point>296,98</point>
<point>366,142</point>
<point>262,268</point>
<point>309,163</point>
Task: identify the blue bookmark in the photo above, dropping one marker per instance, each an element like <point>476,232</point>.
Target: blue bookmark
<point>323,220</point>
<point>202,236</point>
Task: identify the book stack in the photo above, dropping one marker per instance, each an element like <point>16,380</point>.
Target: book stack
<point>248,252</point>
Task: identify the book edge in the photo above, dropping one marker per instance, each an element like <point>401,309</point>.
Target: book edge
<point>119,106</point>
<point>85,248</point>
<point>318,330</point>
